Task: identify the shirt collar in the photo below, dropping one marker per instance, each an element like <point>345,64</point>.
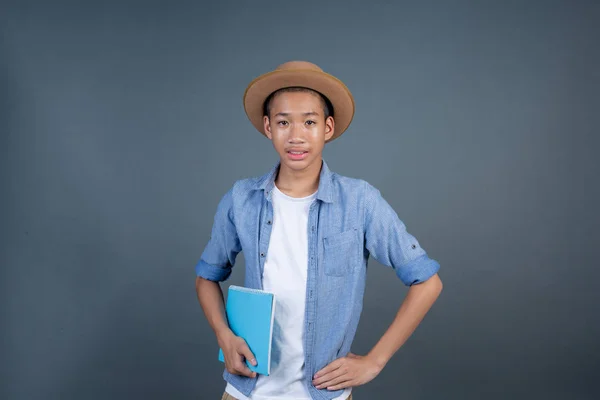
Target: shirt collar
<point>324,193</point>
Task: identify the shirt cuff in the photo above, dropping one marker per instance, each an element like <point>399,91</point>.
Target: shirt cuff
<point>417,270</point>
<point>212,272</point>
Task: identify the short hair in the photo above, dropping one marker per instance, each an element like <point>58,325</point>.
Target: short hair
<point>327,106</point>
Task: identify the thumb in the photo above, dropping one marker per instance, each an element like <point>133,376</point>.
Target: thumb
<point>245,351</point>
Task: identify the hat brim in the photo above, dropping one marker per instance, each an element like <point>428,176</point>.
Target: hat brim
<point>328,85</point>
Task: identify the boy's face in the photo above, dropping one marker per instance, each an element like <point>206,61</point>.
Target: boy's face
<point>298,128</point>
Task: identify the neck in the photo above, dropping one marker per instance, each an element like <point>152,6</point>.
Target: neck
<point>301,183</point>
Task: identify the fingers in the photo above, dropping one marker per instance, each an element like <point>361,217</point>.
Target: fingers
<point>244,350</point>
<point>329,381</point>
<point>242,369</point>
<point>238,365</point>
<point>329,368</point>
<point>341,385</point>
<point>331,378</point>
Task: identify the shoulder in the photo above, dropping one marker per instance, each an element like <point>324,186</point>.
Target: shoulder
<point>346,181</point>
<point>357,186</point>
<point>237,197</point>
<point>361,195</point>
<point>246,185</point>
<point>242,188</point>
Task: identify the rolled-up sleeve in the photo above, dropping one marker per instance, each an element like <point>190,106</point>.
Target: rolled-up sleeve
<point>220,252</point>
<point>388,241</point>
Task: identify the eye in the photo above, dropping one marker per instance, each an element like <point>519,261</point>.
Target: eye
<point>311,122</point>
<point>282,123</point>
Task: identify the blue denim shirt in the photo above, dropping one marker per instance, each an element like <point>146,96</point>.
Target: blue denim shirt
<point>348,222</point>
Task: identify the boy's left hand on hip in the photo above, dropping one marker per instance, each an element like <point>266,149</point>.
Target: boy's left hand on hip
<point>349,371</point>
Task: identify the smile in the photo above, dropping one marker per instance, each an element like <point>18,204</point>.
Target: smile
<point>297,155</point>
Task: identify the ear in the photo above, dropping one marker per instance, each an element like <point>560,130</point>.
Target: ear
<point>267,127</point>
<point>329,128</point>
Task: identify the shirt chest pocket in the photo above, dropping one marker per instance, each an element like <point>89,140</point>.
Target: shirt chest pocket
<point>340,252</point>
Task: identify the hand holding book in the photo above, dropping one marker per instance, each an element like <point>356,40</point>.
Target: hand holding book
<point>235,353</point>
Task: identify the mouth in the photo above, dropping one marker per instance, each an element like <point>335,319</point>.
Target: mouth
<point>297,155</point>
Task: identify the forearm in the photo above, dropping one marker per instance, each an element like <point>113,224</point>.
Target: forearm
<point>212,302</point>
<point>415,306</point>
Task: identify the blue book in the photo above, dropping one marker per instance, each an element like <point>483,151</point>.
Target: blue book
<point>250,314</point>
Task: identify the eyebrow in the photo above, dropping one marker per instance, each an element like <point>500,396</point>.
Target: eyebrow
<point>306,114</point>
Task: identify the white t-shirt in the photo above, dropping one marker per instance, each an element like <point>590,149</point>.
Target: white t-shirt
<point>284,274</point>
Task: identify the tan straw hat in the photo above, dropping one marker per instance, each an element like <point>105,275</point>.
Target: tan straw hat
<point>300,74</point>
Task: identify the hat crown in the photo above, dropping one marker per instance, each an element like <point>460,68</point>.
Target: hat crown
<point>299,65</point>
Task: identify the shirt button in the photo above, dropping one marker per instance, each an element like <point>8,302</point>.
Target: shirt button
<point>262,254</point>
<point>269,222</point>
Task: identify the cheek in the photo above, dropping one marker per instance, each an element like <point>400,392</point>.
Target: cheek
<point>317,135</point>
<point>279,139</point>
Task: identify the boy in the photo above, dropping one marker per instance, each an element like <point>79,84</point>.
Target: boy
<point>307,234</point>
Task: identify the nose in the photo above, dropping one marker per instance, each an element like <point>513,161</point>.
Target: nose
<point>297,133</point>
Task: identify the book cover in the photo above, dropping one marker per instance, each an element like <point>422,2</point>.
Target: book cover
<point>250,314</point>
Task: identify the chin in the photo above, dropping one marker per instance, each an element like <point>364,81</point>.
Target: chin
<point>297,165</point>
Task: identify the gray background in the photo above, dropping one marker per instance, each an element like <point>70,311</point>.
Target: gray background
<point>122,125</point>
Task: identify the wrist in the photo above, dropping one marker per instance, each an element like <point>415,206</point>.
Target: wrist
<point>377,359</point>
<point>223,333</point>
